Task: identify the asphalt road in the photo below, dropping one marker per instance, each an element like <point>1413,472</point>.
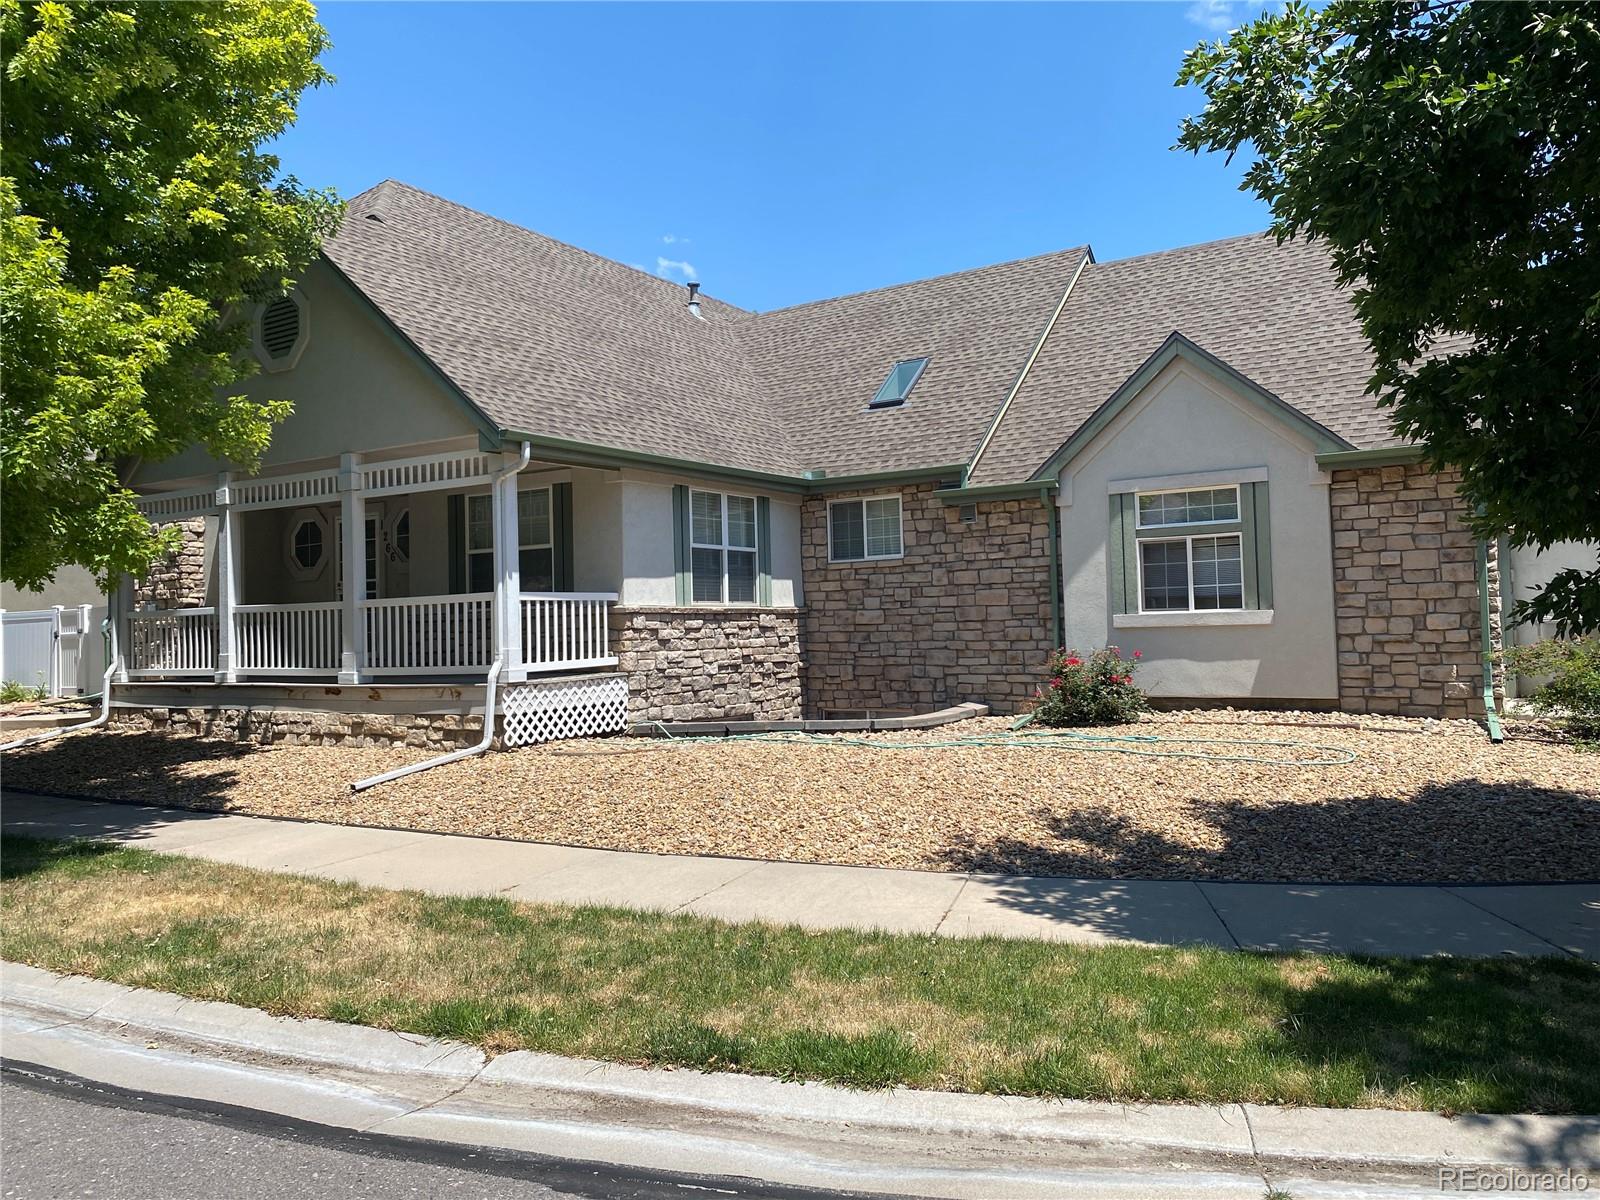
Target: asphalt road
<point>62,1138</point>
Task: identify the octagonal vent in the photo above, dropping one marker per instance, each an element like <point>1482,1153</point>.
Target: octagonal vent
<point>280,327</point>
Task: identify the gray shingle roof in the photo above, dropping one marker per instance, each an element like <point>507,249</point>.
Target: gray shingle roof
<point>553,341</point>
<point>1270,312</point>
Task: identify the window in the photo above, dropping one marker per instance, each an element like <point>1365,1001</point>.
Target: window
<point>535,541</point>
<point>1191,574</point>
<point>1188,508</point>
<point>864,529</point>
<point>371,522</point>
<point>480,543</point>
<point>903,377</point>
<point>402,535</point>
<point>308,545</point>
<point>722,548</point>
<point>536,552</point>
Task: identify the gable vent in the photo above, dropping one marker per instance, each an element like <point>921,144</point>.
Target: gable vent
<point>280,327</point>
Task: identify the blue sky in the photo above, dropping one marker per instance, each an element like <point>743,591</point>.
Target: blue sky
<point>783,153</point>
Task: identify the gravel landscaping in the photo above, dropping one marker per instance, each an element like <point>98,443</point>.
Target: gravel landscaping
<point>1422,801</point>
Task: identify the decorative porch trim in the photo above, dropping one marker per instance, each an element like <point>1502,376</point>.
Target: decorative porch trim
<point>161,507</point>
<point>282,491</point>
<point>429,473</point>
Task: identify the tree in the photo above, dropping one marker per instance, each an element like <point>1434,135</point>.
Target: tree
<point>1448,154</point>
<point>139,215</point>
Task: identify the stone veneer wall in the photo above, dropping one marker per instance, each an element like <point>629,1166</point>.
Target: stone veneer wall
<point>964,615</point>
<point>708,664</point>
<point>178,579</point>
<point>1405,579</point>
<point>265,726</point>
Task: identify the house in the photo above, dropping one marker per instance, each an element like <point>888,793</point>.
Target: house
<point>648,505</point>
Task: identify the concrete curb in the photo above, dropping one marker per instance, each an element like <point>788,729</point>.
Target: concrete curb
<point>899,1141</point>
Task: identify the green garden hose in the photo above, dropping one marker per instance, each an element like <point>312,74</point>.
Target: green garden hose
<point>1143,745</point>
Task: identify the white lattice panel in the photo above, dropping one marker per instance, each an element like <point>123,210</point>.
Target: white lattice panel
<point>563,708</point>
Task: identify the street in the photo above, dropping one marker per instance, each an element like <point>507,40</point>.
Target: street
<point>62,1137</point>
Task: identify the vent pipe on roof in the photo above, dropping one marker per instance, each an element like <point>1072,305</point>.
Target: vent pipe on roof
<point>694,302</point>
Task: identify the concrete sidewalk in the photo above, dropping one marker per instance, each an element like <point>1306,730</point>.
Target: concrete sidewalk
<point>1547,919</point>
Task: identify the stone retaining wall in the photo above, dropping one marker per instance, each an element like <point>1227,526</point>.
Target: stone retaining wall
<point>267,726</point>
<point>178,579</point>
<point>709,664</point>
<point>1405,583</point>
<point>964,615</point>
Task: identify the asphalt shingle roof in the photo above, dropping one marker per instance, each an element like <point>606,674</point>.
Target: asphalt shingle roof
<point>1270,312</point>
<point>550,340</point>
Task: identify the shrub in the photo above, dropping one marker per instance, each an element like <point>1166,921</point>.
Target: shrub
<point>1574,687</point>
<point>12,692</point>
<point>1093,690</point>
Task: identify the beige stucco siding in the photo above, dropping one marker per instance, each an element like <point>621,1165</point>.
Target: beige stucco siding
<point>354,388</point>
<point>1186,425</point>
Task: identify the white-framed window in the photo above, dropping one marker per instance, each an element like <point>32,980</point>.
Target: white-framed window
<point>535,541</point>
<point>306,544</point>
<point>722,548</point>
<point>865,529</point>
<point>1188,506</point>
<point>400,535</point>
<point>1194,573</point>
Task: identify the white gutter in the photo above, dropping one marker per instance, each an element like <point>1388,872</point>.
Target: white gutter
<point>489,683</point>
<point>1022,376</point>
<point>105,715</point>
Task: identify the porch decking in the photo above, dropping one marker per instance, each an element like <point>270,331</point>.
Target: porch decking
<point>413,636</point>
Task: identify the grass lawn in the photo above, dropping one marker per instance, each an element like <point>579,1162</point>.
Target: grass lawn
<point>1111,1023</point>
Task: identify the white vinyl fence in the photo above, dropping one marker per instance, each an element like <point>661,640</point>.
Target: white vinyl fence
<point>61,649</point>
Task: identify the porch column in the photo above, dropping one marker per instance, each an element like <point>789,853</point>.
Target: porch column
<point>507,580</point>
<point>227,578</point>
<point>353,516</point>
<point>119,603</point>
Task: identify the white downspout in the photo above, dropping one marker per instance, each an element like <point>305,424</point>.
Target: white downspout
<point>484,743</point>
<point>489,684</point>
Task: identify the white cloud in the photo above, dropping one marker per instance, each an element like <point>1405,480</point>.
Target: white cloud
<point>670,268</point>
<point>672,239</point>
<point>1216,16</point>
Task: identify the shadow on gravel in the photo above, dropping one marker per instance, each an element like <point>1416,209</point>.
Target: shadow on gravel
<point>1465,831</point>
<point>129,766</point>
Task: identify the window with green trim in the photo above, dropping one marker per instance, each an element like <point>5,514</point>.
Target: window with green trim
<point>1191,507</point>
<point>1191,574</point>
<point>723,548</point>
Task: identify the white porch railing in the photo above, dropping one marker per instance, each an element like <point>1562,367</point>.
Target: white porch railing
<point>287,639</point>
<point>414,635</point>
<point>429,635</point>
<point>566,630</point>
<point>172,641</point>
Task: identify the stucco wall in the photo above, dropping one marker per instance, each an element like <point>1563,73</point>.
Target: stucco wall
<point>1184,424</point>
<point>71,587</point>
<point>353,389</point>
<point>963,615</point>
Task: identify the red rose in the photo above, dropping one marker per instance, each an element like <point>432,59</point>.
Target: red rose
<point>1138,653</point>
<point>1074,662</point>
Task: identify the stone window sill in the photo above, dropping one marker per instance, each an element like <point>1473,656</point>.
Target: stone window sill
<point>1161,620</point>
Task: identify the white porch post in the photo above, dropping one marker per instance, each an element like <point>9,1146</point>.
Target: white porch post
<point>353,516</point>
<point>227,578</point>
<point>119,603</point>
<point>507,579</point>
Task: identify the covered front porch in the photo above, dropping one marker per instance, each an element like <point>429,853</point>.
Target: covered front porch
<point>465,561</point>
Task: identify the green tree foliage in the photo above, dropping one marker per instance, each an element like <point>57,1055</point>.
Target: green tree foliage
<point>139,213</point>
<point>1448,154</point>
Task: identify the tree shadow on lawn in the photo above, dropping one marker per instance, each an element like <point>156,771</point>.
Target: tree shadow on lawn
<point>1462,832</point>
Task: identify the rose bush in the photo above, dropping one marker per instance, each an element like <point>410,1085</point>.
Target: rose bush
<point>1092,689</point>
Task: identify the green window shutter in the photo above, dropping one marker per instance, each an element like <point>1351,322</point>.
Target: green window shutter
<point>1256,544</point>
<point>561,535</point>
<point>1122,552</point>
<point>764,552</point>
<point>680,542</point>
<point>455,544</point>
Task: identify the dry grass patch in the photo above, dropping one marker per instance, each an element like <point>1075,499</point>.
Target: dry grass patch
<point>1115,1022</point>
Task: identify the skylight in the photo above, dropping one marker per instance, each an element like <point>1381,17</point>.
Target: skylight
<point>903,377</point>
